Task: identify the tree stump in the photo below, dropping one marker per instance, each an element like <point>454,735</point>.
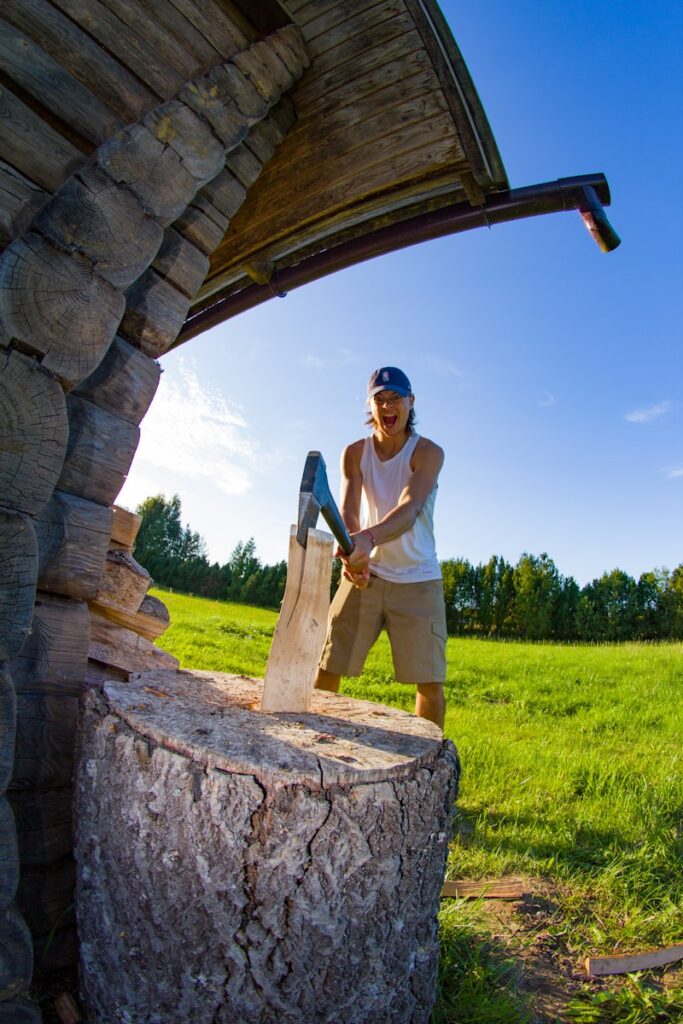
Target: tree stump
<point>236,866</point>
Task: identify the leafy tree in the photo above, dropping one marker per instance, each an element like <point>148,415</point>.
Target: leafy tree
<point>537,590</point>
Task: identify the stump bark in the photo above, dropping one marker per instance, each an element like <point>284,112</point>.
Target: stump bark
<point>235,866</point>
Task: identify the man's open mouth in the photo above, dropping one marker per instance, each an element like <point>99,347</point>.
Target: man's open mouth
<point>389,421</point>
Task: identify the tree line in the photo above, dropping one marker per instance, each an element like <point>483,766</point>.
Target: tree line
<point>531,600</point>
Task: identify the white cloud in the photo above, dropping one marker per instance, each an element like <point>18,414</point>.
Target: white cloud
<point>652,412</point>
<point>674,472</point>
<point>547,400</point>
<point>193,431</point>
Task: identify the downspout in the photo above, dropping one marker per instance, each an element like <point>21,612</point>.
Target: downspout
<point>587,193</point>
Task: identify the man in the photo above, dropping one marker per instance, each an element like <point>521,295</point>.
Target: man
<point>392,578</point>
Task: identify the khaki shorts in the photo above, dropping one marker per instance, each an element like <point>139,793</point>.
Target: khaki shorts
<point>414,616</point>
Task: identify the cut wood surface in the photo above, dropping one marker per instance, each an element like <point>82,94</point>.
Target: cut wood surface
<point>99,453</point>
<point>509,889</point>
<point>53,303</point>
<point>124,582</point>
<point>282,850</point>
<point>33,432</point>
<point>150,621</point>
<point>625,963</point>
<point>19,561</point>
<point>124,383</point>
<point>123,649</point>
<point>125,527</point>
<point>56,650</point>
<point>300,631</point>
<point>73,538</point>
<point>200,152</point>
<point>104,221</point>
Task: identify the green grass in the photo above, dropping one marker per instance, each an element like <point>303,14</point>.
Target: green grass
<point>572,774</point>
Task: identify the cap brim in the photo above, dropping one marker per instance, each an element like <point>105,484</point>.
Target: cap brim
<point>388,387</point>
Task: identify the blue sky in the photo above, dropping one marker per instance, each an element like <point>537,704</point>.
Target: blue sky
<point>551,373</point>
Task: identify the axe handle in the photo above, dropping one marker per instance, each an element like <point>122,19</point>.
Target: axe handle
<point>330,514</point>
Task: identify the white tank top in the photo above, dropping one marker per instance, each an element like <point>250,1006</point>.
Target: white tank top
<point>410,558</point>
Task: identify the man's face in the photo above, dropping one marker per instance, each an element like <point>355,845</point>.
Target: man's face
<point>390,412</point>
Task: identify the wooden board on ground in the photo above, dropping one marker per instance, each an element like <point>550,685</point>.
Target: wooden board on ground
<point>625,963</point>
<point>300,631</point>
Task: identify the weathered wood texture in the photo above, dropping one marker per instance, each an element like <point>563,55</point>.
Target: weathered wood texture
<point>9,855</point>
<point>124,383</point>
<point>150,621</point>
<point>122,649</point>
<point>267,878</point>
<point>53,304</point>
<point>155,312</point>
<point>33,432</point>
<point>18,569</point>
<point>124,582</point>
<point>20,199</point>
<point>125,527</point>
<point>56,650</point>
<point>300,631</point>
<point>99,453</point>
<point>73,539</point>
<point>181,263</point>
<point>46,736</point>
<point>8,727</point>
<point>44,821</point>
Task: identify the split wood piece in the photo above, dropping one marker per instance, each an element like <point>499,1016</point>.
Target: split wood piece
<point>33,432</point>
<point>8,727</point>
<point>105,222</point>
<point>124,383</point>
<point>46,738</point>
<point>100,450</point>
<point>293,845</point>
<point>16,961</point>
<point>54,655</point>
<point>181,263</point>
<point>508,890</point>
<point>115,646</point>
<point>32,146</point>
<point>628,962</point>
<point>53,303</point>
<point>151,620</point>
<point>44,823</point>
<point>155,312</point>
<point>152,170</point>
<point>19,560</point>
<point>125,527</point>
<point>300,631</point>
<point>73,539</point>
<point>9,855</point>
<point>20,200</point>
<point>124,582</point>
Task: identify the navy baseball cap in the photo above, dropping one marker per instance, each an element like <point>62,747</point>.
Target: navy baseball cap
<point>389,378</point>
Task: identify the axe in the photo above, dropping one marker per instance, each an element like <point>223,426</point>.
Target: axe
<point>315,497</point>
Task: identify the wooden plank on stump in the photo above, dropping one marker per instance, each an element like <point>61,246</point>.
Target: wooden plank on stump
<point>54,657</point>
<point>73,539</point>
<point>105,222</point>
<point>124,383</point>
<point>155,312</point>
<point>19,561</point>
<point>300,632</point>
<point>100,450</point>
<point>33,432</point>
<point>56,306</point>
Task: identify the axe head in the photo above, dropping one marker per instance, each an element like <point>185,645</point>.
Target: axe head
<point>314,493</point>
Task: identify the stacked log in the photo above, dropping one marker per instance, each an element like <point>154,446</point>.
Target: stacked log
<point>89,297</point>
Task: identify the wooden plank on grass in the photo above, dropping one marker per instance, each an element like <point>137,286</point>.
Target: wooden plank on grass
<point>512,889</point>
<point>627,962</point>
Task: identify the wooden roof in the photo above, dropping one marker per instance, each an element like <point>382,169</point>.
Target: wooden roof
<point>389,125</point>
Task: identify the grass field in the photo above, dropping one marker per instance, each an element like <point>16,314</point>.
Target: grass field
<point>572,780</point>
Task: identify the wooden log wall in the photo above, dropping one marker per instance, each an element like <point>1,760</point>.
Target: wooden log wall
<point>131,142</point>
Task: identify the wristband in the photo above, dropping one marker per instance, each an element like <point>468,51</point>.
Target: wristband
<point>372,537</point>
